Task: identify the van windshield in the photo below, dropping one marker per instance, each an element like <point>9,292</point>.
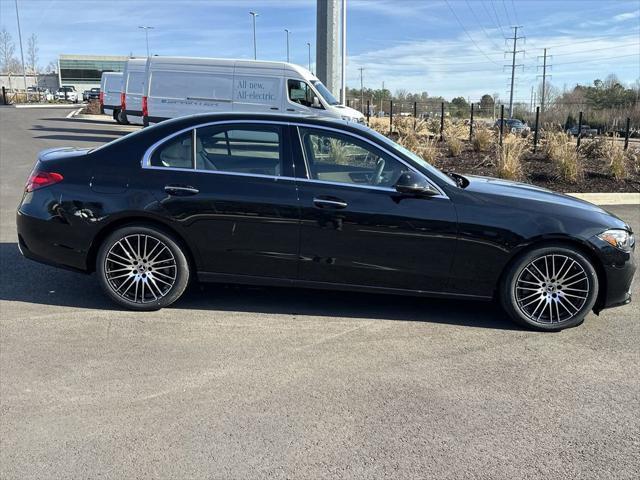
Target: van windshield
<point>324,91</point>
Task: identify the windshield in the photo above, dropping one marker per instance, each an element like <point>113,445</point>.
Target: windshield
<point>325,93</point>
<point>416,158</point>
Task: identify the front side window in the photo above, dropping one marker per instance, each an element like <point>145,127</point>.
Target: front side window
<point>334,157</point>
<point>241,149</point>
<point>175,153</point>
<point>300,92</point>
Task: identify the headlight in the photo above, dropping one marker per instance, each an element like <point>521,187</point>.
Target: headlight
<point>618,238</point>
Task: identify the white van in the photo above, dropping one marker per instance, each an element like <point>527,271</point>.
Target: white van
<point>133,83</point>
<point>178,86</point>
<point>110,88</point>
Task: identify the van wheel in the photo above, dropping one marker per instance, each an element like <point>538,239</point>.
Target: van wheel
<point>142,268</point>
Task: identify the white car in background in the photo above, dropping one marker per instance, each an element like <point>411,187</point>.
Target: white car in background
<point>67,93</point>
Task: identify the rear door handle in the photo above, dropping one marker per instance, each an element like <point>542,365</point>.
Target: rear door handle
<point>329,203</point>
<point>181,190</point>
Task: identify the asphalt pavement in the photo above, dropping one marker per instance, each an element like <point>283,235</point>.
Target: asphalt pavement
<point>240,382</point>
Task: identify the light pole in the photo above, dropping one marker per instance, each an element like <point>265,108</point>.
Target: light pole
<point>24,72</point>
<point>287,32</point>
<point>343,66</point>
<point>255,48</point>
<point>146,35</point>
<point>309,49</point>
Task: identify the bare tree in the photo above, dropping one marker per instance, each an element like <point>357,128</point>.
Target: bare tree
<point>7,50</point>
<point>52,67</point>
<point>32,54</point>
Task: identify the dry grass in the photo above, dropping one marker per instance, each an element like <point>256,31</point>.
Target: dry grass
<point>482,139</point>
<point>339,152</point>
<point>509,155</point>
<point>613,152</point>
<point>562,152</point>
<point>454,134</point>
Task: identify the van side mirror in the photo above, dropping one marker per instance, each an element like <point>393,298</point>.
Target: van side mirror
<point>411,183</point>
<point>316,103</point>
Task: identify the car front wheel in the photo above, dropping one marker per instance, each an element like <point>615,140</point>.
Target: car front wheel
<point>142,268</point>
<point>550,288</point>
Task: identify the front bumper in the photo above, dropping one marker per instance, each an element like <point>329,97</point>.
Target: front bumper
<point>618,269</point>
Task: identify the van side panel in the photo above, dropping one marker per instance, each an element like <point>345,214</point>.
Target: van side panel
<point>112,88</point>
<point>258,88</point>
<point>133,88</point>
<point>183,89</point>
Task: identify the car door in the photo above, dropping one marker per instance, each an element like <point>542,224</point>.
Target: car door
<point>239,205</point>
<point>356,228</point>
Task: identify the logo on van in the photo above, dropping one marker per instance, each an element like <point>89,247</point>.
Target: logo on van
<point>252,90</point>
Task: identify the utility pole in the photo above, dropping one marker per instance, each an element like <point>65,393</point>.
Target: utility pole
<point>287,32</point>
<point>309,50</point>
<point>544,80</point>
<point>513,52</point>
<point>255,47</point>
<point>146,34</point>
<point>343,68</point>
<point>24,72</point>
<point>361,88</point>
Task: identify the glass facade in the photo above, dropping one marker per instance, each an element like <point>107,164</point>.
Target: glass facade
<point>87,70</point>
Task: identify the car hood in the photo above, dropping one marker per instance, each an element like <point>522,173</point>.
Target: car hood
<point>61,152</point>
<point>349,112</point>
<point>525,191</point>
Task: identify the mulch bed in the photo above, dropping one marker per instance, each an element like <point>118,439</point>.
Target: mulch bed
<point>538,170</point>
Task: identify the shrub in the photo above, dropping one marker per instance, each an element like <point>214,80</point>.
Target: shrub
<point>594,148</point>
<point>482,139</point>
<point>509,156</point>
<point>614,154</point>
<point>421,145</point>
<point>562,152</point>
<point>453,135</point>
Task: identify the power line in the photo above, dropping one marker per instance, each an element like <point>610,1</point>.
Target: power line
<point>495,12</point>
<point>467,33</point>
<point>504,6</point>
<point>597,49</point>
<point>486,11</point>
<point>569,44</point>
<point>481,26</point>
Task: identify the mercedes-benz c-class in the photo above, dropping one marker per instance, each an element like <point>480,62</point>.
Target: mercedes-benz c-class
<point>308,202</point>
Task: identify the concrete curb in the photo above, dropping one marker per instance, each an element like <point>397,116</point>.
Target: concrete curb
<point>609,198</point>
<point>44,105</point>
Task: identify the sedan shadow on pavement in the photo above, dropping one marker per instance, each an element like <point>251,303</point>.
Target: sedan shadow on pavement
<point>41,284</point>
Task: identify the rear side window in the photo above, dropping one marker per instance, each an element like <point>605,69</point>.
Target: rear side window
<point>240,149</point>
<point>175,153</point>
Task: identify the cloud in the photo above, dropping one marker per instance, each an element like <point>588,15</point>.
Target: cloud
<point>626,16</point>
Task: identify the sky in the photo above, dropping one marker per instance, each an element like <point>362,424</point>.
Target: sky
<point>444,47</point>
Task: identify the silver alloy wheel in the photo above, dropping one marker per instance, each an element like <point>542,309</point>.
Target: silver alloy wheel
<point>552,288</point>
<point>140,268</point>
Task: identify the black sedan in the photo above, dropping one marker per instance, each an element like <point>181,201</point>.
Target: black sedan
<point>295,201</point>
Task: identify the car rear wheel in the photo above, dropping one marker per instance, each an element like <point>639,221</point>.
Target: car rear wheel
<point>550,288</point>
<point>142,268</point>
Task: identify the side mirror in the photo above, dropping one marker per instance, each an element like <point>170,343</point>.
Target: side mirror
<point>411,183</point>
<point>316,103</point>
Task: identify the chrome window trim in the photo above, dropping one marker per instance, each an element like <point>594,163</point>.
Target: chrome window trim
<point>146,159</point>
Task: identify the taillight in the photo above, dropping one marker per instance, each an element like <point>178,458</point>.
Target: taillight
<point>123,101</point>
<point>41,179</point>
<point>101,98</point>
<point>145,108</point>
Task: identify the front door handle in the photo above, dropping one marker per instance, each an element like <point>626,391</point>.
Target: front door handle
<point>181,190</point>
<point>331,202</point>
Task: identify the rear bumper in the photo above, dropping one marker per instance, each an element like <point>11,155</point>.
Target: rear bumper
<point>48,241</point>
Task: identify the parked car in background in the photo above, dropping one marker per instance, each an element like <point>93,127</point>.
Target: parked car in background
<point>513,125</point>
<point>85,96</point>
<point>133,85</point>
<point>40,93</point>
<point>178,86</point>
<point>585,131</point>
<point>318,203</point>
<point>110,91</point>
<point>67,93</point>
<point>94,94</point>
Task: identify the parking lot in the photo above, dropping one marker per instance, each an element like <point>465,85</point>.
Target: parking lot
<point>242,382</point>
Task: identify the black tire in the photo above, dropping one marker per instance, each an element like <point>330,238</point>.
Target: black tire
<point>527,285</point>
<point>173,263</point>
